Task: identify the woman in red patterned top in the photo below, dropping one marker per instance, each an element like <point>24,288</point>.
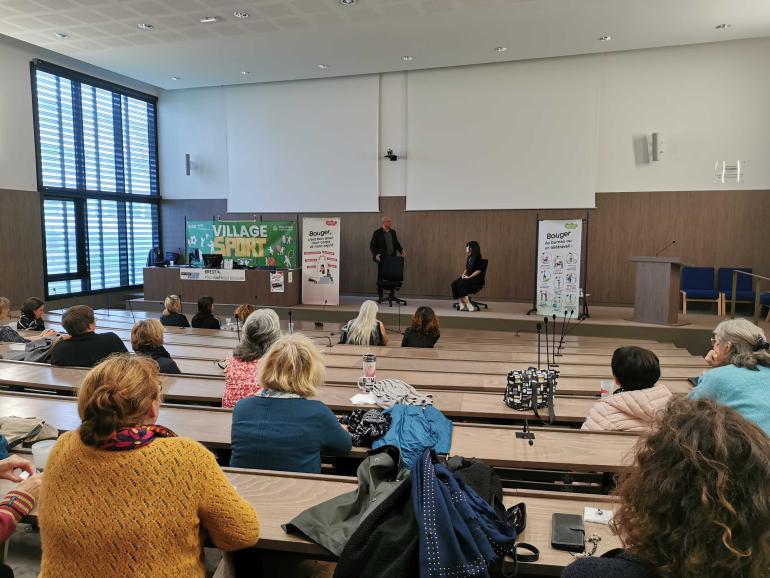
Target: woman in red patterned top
<point>260,330</point>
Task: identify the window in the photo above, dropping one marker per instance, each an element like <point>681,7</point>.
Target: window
<point>98,175</point>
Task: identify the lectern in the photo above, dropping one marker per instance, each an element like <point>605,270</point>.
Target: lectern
<point>656,298</point>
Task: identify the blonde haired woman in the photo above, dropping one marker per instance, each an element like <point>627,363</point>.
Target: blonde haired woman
<point>147,339</point>
<point>741,378</point>
<point>280,429</point>
<point>365,329</point>
<point>123,496</point>
<point>172,312</point>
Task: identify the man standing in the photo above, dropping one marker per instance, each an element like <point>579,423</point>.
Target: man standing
<point>384,243</point>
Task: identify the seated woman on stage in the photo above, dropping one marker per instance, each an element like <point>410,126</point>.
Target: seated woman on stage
<point>469,280</point>
<point>204,318</point>
<point>8,333</point>
<point>172,313</point>
<point>636,403</point>
<point>242,312</point>
<point>123,496</point>
<point>741,379</point>
<point>424,329</point>
<point>694,503</point>
<point>279,428</point>
<point>147,339</point>
<point>365,329</point>
<point>31,315</point>
<point>261,329</point>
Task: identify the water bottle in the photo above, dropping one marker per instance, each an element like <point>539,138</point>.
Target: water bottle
<point>370,367</point>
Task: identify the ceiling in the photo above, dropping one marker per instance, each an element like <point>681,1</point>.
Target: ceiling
<point>288,39</point>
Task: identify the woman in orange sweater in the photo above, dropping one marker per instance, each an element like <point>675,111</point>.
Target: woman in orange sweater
<point>122,496</point>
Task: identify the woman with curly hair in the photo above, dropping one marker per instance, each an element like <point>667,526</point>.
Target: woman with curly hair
<point>424,330</point>
<point>696,503</point>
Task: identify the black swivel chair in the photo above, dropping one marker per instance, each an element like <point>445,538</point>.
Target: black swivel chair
<point>483,279</point>
<point>392,278</point>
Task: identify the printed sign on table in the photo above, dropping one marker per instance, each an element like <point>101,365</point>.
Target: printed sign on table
<point>193,274</point>
<point>321,261</point>
<point>559,248</point>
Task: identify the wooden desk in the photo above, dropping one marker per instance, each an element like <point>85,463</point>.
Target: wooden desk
<point>571,450</point>
<point>189,389</point>
<point>160,282</point>
<point>280,496</point>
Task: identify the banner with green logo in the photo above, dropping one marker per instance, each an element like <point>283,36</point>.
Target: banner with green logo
<point>559,250</point>
<point>248,243</point>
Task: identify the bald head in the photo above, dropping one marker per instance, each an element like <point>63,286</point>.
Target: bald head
<point>386,221</point>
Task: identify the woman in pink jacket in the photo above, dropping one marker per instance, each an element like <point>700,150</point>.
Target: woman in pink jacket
<point>635,405</point>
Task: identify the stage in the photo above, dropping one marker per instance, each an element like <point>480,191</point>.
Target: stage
<point>604,321</point>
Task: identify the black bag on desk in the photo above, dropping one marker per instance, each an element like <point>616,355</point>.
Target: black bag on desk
<point>531,389</point>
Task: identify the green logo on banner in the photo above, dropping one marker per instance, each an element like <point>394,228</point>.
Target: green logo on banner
<point>249,243</point>
<point>570,225</point>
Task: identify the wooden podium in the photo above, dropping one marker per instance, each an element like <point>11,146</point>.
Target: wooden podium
<point>656,296</point>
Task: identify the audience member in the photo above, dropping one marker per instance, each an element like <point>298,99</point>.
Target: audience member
<point>7,333</point>
<point>741,378</point>
<point>261,329</point>
<point>204,318</point>
<point>279,428</point>
<point>172,312</point>
<point>84,347</point>
<point>242,312</point>
<point>123,496</point>
<point>424,330</point>
<point>147,339</point>
<point>31,315</point>
<point>365,329</point>
<point>19,501</point>
<point>637,401</point>
<point>696,501</point>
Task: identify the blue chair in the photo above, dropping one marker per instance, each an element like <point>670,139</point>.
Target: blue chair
<point>697,284</point>
<point>744,292</point>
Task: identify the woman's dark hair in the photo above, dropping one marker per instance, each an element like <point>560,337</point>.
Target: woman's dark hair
<point>204,304</point>
<point>475,248</point>
<point>635,368</point>
<point>31,305</point>
<point>696,501</point>
<point>425,322</point>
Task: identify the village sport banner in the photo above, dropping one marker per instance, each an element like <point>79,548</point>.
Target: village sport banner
<point>321,261</point>
<point>559,248</point>
<point>247,243</point>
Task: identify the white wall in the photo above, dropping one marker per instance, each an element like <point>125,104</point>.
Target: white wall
<point>17,137</point>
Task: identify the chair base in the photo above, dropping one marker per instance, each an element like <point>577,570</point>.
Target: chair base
<point>476,304</point>
<point>390,299</point>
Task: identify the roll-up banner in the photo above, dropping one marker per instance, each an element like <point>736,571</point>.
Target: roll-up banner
<point>559,247</point>
<point>321,261</point>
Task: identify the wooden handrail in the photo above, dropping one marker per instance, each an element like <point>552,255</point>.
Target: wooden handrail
<point>757,283</point>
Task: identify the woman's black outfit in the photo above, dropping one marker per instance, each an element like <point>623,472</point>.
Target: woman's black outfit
<point>28,322</point>
<point>464,287</point>
<point>174,319</point>
<point>205,321</point>
<point>161,357</point>
<point>414,339</point>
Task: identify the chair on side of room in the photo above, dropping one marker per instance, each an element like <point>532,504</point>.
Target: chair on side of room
<point>697,284</point>
<point>744,292</point>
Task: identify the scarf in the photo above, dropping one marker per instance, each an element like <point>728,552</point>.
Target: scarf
<point>264,392</point>
<point>132,438</point>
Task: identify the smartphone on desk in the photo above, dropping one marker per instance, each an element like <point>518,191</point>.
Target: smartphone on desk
<point>567,532</point>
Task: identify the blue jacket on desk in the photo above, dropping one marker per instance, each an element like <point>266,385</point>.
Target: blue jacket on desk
<point>414,429</point>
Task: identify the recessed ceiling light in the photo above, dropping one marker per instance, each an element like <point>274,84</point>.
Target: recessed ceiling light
<point>348,2</point>
<point>241,14</point>
<point>210,19</point>
<point>245,72</point>
<point>61,35</point>
<point>145,26</point>
<point>176,78</point>
<point>501,49</point>
<point>605,38</point>
<point>407,58</point>
<point>323,66</point>
<point>723,26</point>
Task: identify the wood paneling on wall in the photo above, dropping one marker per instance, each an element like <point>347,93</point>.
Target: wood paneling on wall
<point>716,228</point>
<point>21,246</point>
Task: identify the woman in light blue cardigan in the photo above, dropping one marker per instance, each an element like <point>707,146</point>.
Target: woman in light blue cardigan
<point>741,378</point>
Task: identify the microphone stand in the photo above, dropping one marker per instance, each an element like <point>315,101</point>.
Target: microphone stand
<point>320,324</point>
<point>131,308</point>
<point>553,342</point>
<point>547,353</point>
<point>539,327</point>
<point>238,328</point>
<point>564,327</point>
<point>291,325</point>
<point>526,434</point>
<point>561,333</point>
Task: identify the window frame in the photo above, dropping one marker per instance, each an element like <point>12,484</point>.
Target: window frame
<point>80,197</point>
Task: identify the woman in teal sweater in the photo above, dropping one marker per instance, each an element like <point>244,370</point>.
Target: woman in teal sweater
<point>279,428</point>
<point>741,378</point>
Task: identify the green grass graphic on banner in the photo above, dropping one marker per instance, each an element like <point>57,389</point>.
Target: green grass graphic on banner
<point>249,243</point>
